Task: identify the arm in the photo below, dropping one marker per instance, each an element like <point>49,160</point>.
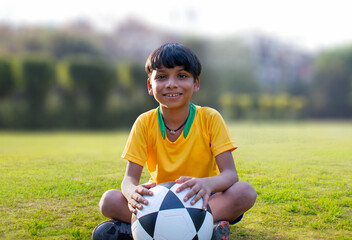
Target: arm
<point>131,189</point>
<point>203,187</point>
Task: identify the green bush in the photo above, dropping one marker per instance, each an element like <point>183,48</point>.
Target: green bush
<point>38,77</point>
<point>264,106</point>
<point>331,88</point>
<point>92,79</point>
<point>7,81</point>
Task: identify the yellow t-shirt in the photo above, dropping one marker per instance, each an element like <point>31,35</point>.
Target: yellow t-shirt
<point>191,156</point>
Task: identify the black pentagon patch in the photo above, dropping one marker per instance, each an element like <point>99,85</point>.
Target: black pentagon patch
<point>195,237</point>
<point>168,185</point>
<point>197,216</point>
<point>148,222</point>
<point>171,201</point>
<point>209,210</point>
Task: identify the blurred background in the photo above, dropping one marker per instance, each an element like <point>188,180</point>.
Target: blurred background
<point>80,64</point>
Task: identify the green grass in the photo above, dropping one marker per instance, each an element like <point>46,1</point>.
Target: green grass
<point>51,182</point>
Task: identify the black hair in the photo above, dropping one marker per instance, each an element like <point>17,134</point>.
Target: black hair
<point>170,55</point>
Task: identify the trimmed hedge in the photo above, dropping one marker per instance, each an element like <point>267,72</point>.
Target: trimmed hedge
<point>38,78</point>
<point>92,79</point>
<point>7,80</point>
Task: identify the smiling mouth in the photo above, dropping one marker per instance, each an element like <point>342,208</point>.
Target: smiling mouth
<point>172,94</point>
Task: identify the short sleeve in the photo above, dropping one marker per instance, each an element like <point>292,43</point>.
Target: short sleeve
<point>136,149</point>
<point>220,138</point>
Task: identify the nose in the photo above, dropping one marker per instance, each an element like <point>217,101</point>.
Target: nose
<point>171,82</point>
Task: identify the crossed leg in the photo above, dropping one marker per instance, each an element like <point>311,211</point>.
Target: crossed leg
<point>228,205</point>
<point>114,205</point>
<point>232,203</point>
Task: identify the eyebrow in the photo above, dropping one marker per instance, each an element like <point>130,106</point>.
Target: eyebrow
<point>181,68</point>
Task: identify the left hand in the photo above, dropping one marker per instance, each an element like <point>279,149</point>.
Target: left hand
<point>198,188</point>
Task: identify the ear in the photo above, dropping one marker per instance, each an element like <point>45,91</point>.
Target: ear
<point>196,84</point>
<point>150,89</point>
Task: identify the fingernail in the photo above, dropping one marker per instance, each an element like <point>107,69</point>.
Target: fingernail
<point>185,199</point>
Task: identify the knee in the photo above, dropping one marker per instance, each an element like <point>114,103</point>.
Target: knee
<point>249,193</point>
<point>110,200</point>
<point>246,193</point>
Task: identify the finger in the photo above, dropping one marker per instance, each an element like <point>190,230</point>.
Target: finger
<point>187,184</point>
<point>144,191</point>
<point>139,199</point>
<point>183,179</point>
<point>205,201</point>
<point>198,196</point>
<point>134,204</point>
<point>149,185</point>
<point>193,191</point>
<point>132,209</point>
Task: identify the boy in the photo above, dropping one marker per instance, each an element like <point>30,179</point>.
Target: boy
<point>179,142</point>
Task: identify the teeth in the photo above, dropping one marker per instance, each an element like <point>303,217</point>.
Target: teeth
<point>172,95</point>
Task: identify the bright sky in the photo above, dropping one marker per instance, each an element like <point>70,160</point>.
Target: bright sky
<point>309,23</point>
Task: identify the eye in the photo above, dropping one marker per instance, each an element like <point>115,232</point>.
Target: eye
<point>182,75</point>
<point>160,77</point>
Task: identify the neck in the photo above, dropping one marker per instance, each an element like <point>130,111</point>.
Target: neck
<point>173,118</point>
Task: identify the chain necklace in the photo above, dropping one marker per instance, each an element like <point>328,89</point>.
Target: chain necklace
<point>173,132</point>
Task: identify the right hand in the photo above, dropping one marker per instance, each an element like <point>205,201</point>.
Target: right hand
<point>136,199</point>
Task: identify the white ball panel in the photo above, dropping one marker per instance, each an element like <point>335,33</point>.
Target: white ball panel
<point>153,202</point>
<point>206,230</point>
<point>139,233</point>
<point>176,217</point>
<point>181,195</point>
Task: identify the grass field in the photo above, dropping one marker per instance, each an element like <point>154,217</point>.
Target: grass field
<point>51,183</point>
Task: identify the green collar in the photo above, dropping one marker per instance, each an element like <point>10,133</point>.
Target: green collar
<point>190,119</point>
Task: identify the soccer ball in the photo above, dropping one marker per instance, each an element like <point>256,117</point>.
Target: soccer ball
<point>168,217</point>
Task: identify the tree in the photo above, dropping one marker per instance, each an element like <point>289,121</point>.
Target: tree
<point>65,44</point>
<point>92,79</point>
<point>38,77</point>
<point>7,81</point>
<point>227,67</point>
<point>331,87</point>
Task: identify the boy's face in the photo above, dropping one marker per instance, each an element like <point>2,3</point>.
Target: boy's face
<point>172,87</point>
